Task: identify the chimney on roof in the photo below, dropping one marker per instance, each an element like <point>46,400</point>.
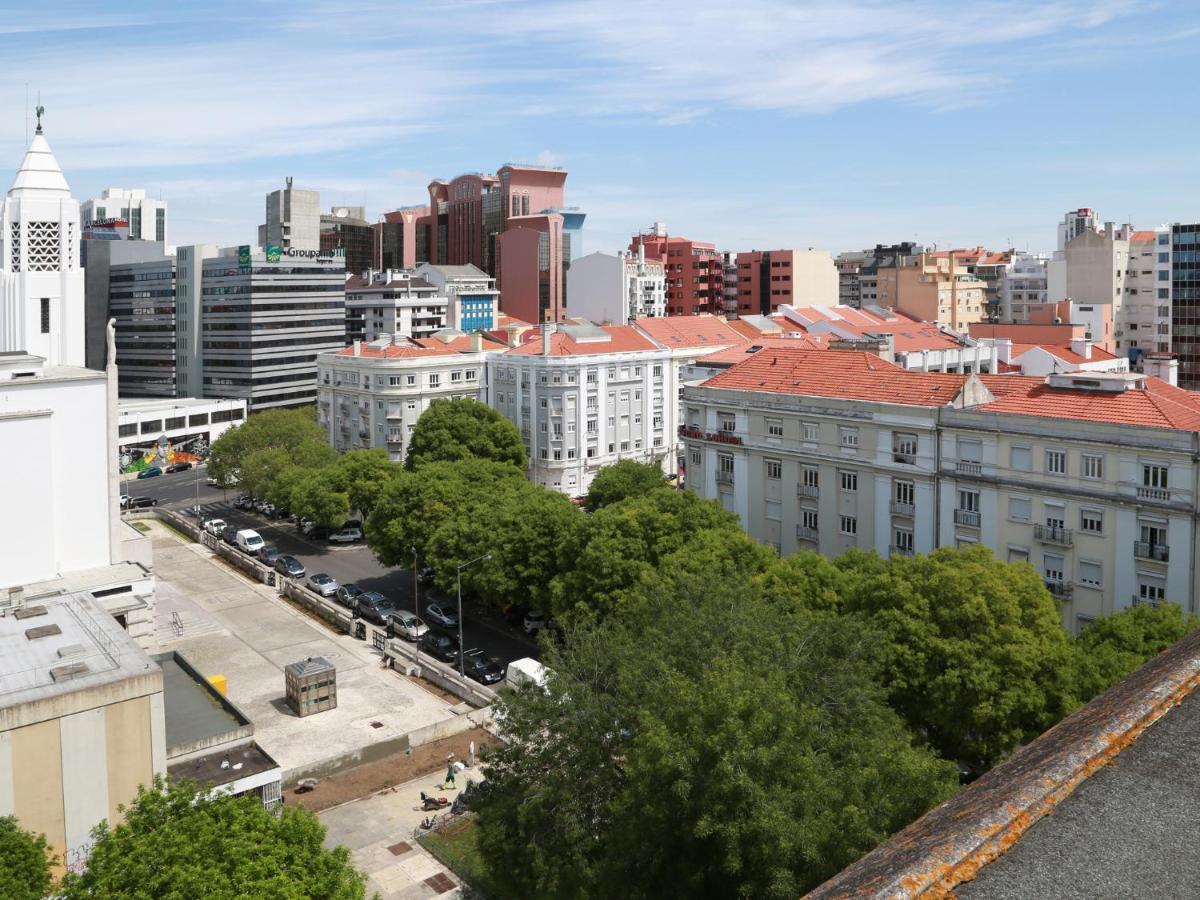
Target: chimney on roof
<point>476,342</point>
<point>1161,365</point>
<point>384,340</point>
<point>547,330</point>
<point>358,348</point>
<point>1081,347</point>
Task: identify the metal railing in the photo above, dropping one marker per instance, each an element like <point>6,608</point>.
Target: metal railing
<point>893,550</point>
<point>724,478</point>
<point>804,533</point>
<point>808,490</point>
<point>1146,601</point>
<point>906,459</point>
<point>1148,550</point>
<point>966,517</point>
<point>1059,588</point>
<point>903,509</point>
<point>1053,534</point>
<point>966,467</point>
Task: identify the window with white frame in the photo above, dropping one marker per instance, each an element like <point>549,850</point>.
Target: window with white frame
<point>725,466</point>
<point>902,539</point>
<point>904,492</point>
<point>810,432</point>
<point>1020,509</point>
<point>849,479</point>
<point>848,439</point>
<point>808,518</point>
<point>774,510</point>
<point>1052,567</point>
<point>456,376</point>
<point>1091,573</point>
<point>727,421</point>
<point>435,379</point>
<point>1021,459</point>
<point>968,500</point>
<point>1093,466</point>
<point>849,525</point>
<point>1154,475</point>
<point>1055,513</point>
<point>809,476</point>
<point>774,468</point>
<point>970,451</point>
<point>904,448</point>
<point>774,428</point>
<point>1056,462</point>
<point>1091,520</point>
<point>695,456</point>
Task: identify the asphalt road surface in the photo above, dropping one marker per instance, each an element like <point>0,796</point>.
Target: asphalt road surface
<point>483,628</point>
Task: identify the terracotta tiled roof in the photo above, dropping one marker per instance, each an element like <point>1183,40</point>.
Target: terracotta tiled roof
<point>622,339</point>
<point>397,351</point>
<point>459,344</point>
<point>738,352</point>
<point>1064,352</point>
<point>1158,405</point>
<point>1142,237</point>
<point>909,334</point>
<point>691,331</point>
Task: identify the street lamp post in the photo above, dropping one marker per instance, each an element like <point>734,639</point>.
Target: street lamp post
<point>417,610</point>
<point>462,666</point>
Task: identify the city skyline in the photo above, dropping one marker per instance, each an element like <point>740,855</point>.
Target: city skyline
<point>977,127</point>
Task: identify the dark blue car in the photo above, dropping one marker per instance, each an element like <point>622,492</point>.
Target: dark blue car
<point>149,472</point>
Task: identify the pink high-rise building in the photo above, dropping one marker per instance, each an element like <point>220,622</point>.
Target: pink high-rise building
<point>469,219</point>
<point>399,242</point>
<point>695,271</point>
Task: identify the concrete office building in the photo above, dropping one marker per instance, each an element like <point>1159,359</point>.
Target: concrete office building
<point>81,720</point>
<point>729,293</point>
<point>614,289</point>
<point>188,424</point>
<point>848,266</point>
<point>145,217</point>
<point>473,300</point>
<point>1088,476</point>
<point>1021,285</point>
<point>695,271</point>
<point>371,394</point>
<point>41,280</point>
<point>769,279</point>
<point>293,220</point>
<point>865,284</point>
<point>399,242</point>
<point>102,247</point>
<point>233,324</point>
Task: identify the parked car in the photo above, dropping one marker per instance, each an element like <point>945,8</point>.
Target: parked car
<point>438,616</point>
<point>141,502</point>
<point>149,472</point>
<point>244,502</point>
<point>215,526</point>
<point>289,566</point>
<point>268,554</point>
<point>249,541</point>
<point>125,498</point>
<point>534,622</point>
<point>481,667</point>
<point>229,534</point>
<point>318,532</point>
<point>375,608</point>
<point>323,584</point>
<point>404,623</point>
<point>266,507</point>
<point>178,467</point>
<point>425,573</point>
<point>346,536</point>
<point>281,513</point>
<point>304,525</point>
<point>440,645</point>
<point>347,595</point>
<point>515,615</point>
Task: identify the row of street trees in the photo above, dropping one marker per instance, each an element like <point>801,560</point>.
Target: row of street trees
<point>767,720</point>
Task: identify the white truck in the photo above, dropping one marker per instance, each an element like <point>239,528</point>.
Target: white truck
<point>249,541</point>
<point>525,671</point>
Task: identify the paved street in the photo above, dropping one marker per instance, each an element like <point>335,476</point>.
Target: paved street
<point>346,563</point>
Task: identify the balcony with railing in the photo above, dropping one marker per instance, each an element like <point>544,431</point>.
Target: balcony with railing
<point>967,467</point>
<point>900,508</point>
<point>1059,588</point>
<point>1153,493</point>
<point>724,478</point>
<point>893,550</point>
<point>1052,534</point>
<point>1149,550</point>
<point>905,459</point>
<point>1146,601</point>
<point>967,517</point>
<point>804,533</point>
<point>808,490</point>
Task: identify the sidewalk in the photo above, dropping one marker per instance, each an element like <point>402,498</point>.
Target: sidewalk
<point>225,624</point>
<point>378,830</point>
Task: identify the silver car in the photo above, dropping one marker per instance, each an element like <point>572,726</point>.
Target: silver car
<point>323,584</point>
<point>438,616</point>
<point>405,624</point>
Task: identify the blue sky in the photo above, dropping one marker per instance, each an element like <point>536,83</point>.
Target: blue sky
<point>755,124</point>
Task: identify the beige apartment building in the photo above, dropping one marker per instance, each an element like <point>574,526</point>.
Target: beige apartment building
<point>932,287</point>
<point>81,719</point>
<point>1091,477</point>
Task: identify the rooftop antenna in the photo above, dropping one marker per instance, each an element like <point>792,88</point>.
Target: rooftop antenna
<point>40,110</point>
<point>27,114</point>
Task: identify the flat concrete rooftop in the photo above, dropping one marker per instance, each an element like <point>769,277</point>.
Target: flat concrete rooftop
<point>194,710</point>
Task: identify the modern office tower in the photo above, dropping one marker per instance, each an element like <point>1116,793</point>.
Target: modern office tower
<point>145,217</point>
<point>232,324</point>
<point>293,220</point>
<point>769,279</point>
<point>399,242</point>
<point>346,230</point>
<point>1075,222</point>
<point>41,280</point>
<point>615,289</point>
<point>695,271</point>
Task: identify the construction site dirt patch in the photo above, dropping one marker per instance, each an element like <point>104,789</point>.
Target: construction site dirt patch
<point>383,774</point>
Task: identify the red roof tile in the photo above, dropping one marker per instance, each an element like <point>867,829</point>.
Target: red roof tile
<point>690,331</point>
<point>738,352</point>
<point>622,339</point>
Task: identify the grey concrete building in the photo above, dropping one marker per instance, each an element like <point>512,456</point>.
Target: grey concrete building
<point>293,220</point>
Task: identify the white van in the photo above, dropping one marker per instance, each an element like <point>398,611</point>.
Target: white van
<point>249,541</point>
<point>525,671</point>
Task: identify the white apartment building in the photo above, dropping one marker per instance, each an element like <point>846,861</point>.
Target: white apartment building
<point>1074,223</point>
<point>370,395</point>
<point>473,300</point>
<point>393,303</point>
<point>603,287</point>
<point>586,396</point>
<point>1092,478</point>
<point>1022,282</point>
<point>147,217</point>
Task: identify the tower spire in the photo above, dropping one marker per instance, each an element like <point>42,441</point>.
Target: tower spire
<point>40,111</point>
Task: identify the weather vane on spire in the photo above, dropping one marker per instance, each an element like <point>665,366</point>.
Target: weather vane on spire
<point>40,110</point>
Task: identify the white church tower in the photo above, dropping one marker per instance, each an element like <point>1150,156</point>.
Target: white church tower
<point>41,282</point>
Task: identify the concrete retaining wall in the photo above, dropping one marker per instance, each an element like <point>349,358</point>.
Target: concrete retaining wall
<point>404,657</point>
<point>336,616</point>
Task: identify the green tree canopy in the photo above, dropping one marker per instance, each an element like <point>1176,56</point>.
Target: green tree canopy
<point>461,429</point>
<point>176,843</point>
<point>1113,646</point>
<point>703,743</point>
<point>24,863</point>
<point>627,478</point>
<point>283,429</point>
<point>974,653</point>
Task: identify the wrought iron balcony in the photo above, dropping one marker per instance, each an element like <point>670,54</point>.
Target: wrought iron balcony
<point>1146,601</point>
<point>1148,550</point>
<point>808,490</point>
<point>805,533</point>
<point>1059,588</point>
<point>1052,534</point>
